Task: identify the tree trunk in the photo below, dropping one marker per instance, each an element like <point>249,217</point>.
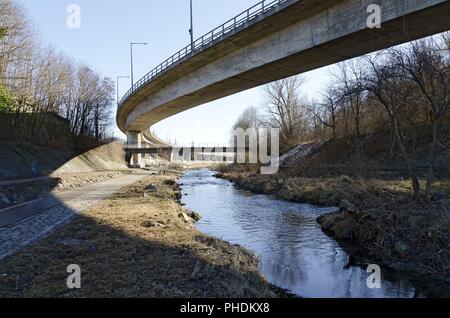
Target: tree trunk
<point>414,179</point>
<point>432,159</point>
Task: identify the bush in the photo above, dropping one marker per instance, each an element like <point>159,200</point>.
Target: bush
<point>6,100</point>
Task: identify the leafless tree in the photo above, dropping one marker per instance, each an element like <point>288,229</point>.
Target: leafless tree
<point>385,84</point>
<point>250,118</point>
<point>326,110</point>
<point>426,65</point>
<point>348,78</point>
<point>285,109</point>
<point>43,80</point>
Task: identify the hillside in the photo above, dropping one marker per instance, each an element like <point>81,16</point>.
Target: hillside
<point>372,155</point>
<point>19,161</point>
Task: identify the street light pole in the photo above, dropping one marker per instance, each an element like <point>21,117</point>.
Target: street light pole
<point>131,49</point>
<point>191,30</point>
<point>117,83</point>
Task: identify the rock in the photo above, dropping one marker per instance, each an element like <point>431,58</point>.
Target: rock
<point>402,248</point>
<point>186,218</point>
<point>150,224</point>
<point>151,188</point>
<point>343,231</point>
<point>170,182</point>
<point>345,205</point>
<point>4,200</point>
<point>193,215</point>
<point>341,226</point>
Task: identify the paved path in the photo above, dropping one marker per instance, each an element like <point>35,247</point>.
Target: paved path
<point>32,221</point>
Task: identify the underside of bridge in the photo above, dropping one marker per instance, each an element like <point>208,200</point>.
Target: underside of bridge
<point>294,37</point>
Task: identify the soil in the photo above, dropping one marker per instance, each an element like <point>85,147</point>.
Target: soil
<point>21,161</point>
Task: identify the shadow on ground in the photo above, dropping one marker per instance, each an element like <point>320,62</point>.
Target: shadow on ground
<point>133,246</point>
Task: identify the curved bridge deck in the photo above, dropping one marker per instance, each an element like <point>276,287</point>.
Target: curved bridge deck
<point>270,41</point>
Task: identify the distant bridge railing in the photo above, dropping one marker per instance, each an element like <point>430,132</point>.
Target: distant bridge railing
<point>204,41</point>
<point>149,146</point>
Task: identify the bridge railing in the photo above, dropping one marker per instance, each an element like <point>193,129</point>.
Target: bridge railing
<point>230,26</point>
<point>148,146</point>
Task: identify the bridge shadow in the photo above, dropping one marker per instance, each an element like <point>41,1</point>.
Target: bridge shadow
<point>122,253</point>
<point>31,172</point>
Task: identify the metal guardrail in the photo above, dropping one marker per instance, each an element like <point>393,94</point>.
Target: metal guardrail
<point>231,25</point>
<point>148,146</point>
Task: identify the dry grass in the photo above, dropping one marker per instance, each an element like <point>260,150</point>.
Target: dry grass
<point>391,227</point>
<point>329,191</point>
<point>134,246</point>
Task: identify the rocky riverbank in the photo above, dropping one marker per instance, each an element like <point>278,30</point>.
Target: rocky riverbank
<point>140,242</point>
<point>375,220</point>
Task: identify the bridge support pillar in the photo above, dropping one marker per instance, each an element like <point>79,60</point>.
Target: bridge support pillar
<point>134,138</point>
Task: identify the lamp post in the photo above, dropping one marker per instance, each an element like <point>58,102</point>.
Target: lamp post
<point>131,49</point>
<point>191,30</point>
<point>117,83</point>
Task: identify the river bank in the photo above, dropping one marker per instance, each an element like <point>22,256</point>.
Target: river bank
<point>377,221</point>
<point>140,242</point>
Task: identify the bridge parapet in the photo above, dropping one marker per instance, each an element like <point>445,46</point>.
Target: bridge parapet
<point>230,27</point>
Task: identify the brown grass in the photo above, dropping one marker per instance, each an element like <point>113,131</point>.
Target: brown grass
<point>391,227</point>
<point>134,246</point>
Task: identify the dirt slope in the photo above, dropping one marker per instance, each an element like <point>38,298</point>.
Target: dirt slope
<point>107,157</point>
<point>20,161</point>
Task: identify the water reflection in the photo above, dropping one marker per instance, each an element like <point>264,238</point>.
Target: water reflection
<point>295,254</point>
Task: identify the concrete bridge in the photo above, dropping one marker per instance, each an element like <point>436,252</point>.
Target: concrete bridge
<point>274,39</point>
<point>181,154</point>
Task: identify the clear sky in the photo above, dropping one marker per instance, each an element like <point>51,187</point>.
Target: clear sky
<point>107,28</point>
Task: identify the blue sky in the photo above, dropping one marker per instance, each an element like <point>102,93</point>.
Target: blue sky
<point>107,28</point>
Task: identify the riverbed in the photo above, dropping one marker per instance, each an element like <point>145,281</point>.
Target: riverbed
<point>295,254</point>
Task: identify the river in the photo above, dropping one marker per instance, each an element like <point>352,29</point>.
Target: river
<point>295,254</point>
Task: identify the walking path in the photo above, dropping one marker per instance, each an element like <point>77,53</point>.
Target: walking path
<point>24,224</point>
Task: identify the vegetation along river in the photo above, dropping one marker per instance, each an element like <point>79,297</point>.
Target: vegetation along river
<point>295,254</point>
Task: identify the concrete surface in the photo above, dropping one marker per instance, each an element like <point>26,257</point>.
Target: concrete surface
<point>302,36</point>
<point>24,224</point>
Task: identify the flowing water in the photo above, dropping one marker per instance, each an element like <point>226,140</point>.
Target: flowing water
<point>295,254</point>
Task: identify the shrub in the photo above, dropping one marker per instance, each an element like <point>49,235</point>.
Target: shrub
<point>6,100</point>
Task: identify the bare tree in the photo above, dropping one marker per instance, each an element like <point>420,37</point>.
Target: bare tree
<point>326,110</point>
<point>285,110</point>
<point>426,65</point>
<point>349,86</point>
<point>42,80</point>
<point>394,94</point>
<point>250,118</point>
<point>16,40</point>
